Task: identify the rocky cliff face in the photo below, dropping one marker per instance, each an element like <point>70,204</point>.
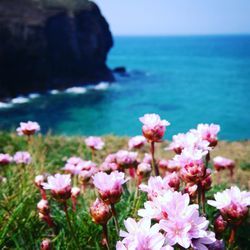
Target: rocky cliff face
<point>43,49</point>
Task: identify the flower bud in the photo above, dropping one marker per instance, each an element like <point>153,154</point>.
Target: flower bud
<point>100,212</point>
<point>219,225</point>
<point>45,244</point>
<point>75,191</point>
<point>207,181</point>
<point>193,172</point>
<point>43,206</point>
<point>235,213</point>
<point>39,179</point>
<point>174,181</point>
<point>191,190</point>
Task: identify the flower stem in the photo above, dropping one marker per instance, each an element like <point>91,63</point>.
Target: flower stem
<point>154,166</point>
<point>199,196</point>
<point>203,199</point>
<point>232,237</point>
<point>70,226</point>
<point>115,218</point>
<point>105,235</point>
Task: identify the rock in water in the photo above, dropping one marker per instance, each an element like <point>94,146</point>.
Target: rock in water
<point>42,49</point>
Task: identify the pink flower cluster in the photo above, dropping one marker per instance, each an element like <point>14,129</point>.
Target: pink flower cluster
<point>5,159</point>
<point>95,143</point>
<point>233,204</point>
<point>109,186</point>
<point>136,142</point>
<point>28,128</point>
<point>153,127</point>
<point>22,157</point>
<point>221,163</point>
<point>179,220</point>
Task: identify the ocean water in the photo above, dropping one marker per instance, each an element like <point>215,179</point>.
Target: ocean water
<point>187,80</point>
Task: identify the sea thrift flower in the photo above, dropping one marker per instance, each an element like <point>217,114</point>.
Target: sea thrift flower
<point>74,160</point>
<point>191,190</point>
<point>109,164</point>
<point>136,142</point>
<point>153,127</point>
<point>100,212</point>
<point>22,157</point>
<point>85,175</point>
<point>43,206</point>
<point>147,158</point>
<point>221,163</point>
<point>126,159</point>
<point>60,186</point>
<point>75,191</point>
<point>209,133</point>
<point>158,186</point>
<point>143,169</point>
<point>46,244</point>
<point>109,186</point>
<point>193,168</point>
<point>95,143</point>
<point>140,235</point>
<point>233,204</point>
<point>28,128</point>
<point>5,159</point>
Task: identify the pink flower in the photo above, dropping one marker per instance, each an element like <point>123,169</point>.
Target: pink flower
<point>193,168</point>
<point>85,175</point>
<point>177,232</point>
<point>126,159</point>
<point>232,203</point>
<point>74,160</point>
<point>209,133</point>
<point>5,159</point>
<point>191,140</point>
<point>143,169</point>
<point>220,225</point>
<point>77,168</point>
<point>60,186</point>
<point>28,128</point>
<point>221,163</point>
<point>95,143</point>
<point>153,127</point>
<point>140,235</point>
<point>43,206</point>
<point>22,158</point>
<point>147,158</point>
<point>109,164</point>
<point>156,186</point>
<point>136,142</point>
<point>109,186</point>
<point>100,212</point>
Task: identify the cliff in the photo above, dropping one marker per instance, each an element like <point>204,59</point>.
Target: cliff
<point>47,48</point>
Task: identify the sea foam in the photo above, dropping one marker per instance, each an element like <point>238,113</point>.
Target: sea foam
<point>101,86</point>
<point>76,90</point>
<point>19,100</point>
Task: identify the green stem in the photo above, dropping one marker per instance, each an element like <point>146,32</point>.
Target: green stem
<point>70,225</point>
<point>115,218</point>
<point>105,234</point>
<point>232,237</point>
<point>199,196</point>
<point>154,166</point>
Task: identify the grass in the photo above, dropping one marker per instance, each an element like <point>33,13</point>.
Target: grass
<point>20,227</point>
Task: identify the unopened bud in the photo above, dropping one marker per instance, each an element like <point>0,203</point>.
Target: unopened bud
<point>45,244</point>
<point>100,212</point>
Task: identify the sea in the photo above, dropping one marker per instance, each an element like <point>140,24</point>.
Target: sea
<point>187,80</point>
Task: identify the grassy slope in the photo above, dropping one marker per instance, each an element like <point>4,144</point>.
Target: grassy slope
<point>20,227</point>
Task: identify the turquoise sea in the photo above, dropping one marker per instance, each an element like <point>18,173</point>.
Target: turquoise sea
<point>187,80</point>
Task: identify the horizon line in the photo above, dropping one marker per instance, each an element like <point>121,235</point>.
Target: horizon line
<point>181,35</point>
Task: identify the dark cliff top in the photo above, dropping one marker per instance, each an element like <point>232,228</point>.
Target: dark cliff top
<point>32,12</point>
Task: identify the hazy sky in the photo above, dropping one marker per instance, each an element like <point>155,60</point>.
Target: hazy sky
<point>160,17</point>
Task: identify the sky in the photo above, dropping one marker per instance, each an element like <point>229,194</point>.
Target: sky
<point>176,17</point>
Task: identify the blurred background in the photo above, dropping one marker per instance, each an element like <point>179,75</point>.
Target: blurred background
<point>91,68</point>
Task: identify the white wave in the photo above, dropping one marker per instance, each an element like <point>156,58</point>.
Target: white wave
<point>54,92</point>
<point>101,86</point>
<point>34,95</point>
<point>4,105</point>
<point>19,100</point>
<point>76,90</point>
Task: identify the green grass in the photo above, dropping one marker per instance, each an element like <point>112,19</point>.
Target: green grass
<point>20,227</point>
